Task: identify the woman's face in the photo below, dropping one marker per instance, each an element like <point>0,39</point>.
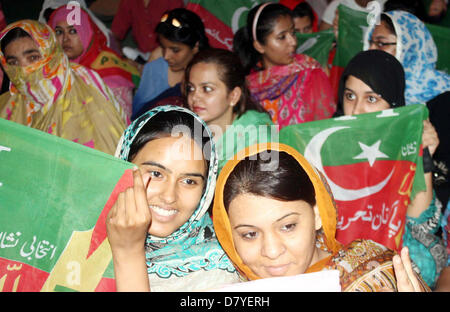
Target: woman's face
<point>69,39</point>
<point>303,25</point>
<point>177,54</point>
<point>22,52</point>
<point>383,39</point>
<point>208,96</point>
<point>175,172</point>
<point>279,47</point>
<point>273,237</point>
<point>359,98</point>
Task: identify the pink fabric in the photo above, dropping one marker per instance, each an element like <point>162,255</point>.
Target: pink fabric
<point>294,93</point>
<point>84,29</point>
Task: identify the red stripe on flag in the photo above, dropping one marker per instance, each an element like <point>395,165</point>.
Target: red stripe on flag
<point>20,277</point>
<point>99,233</point>
<point>220,35</point>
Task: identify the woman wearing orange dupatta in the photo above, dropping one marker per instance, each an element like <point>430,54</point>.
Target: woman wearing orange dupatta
<point>85,44</point>
<point>274,216</point>
<point>50,94</point>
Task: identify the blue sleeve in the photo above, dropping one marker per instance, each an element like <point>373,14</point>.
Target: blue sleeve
<point>154,80</point>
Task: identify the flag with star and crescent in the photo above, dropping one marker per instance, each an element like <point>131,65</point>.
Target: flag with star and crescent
<point>54,198</point>
<point>373,165</point>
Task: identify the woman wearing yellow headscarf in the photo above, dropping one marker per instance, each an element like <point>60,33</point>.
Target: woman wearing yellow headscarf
<point>274,216</point>
<point>49,94</point>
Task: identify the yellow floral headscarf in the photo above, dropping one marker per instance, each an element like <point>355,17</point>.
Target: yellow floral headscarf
<point>59,97</point>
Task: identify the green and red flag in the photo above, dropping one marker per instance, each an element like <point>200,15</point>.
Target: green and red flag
<point>317,45</point>
<point>373,165</point>
<point>54,198</point>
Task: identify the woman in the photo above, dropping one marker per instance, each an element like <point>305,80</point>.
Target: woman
<point>274,216</point>
<point>293,88</point>
<point>161,235</point>
<point>181,34</point>
<point>374,81</point>
<point>84,43</point>
<point>217,91</point>
<point>50,94</point>
<point>407,38</point>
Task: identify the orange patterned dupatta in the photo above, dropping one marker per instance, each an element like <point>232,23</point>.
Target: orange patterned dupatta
<point>64,99</point>
<point>363,265</point>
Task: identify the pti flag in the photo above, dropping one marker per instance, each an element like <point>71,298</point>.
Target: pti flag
<point>223,18</point>
<point>373,165</point>
<point>354,24</point>
<point>54,197</point>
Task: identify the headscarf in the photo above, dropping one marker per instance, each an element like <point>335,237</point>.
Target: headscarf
<point>417,52</point>
<point>193,247</point>
<point>64,99</point>
<point>118,74</point>
<point>381,72</point>
<point>326,237</point>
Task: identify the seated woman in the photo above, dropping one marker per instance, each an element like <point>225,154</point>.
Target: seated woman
<point>84,43</point>
<point>373,81</point>
<point>181,34</point>
<point>274,216</point>
<point>217,91</point>
<point>50,94</point>
<point>293,88</point>
<point>404,36</point>
<point>160,232</point>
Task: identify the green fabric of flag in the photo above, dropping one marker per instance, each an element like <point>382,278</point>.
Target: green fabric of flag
<point>372,163</point>
<point>52,192</point>
<point>317,45</point>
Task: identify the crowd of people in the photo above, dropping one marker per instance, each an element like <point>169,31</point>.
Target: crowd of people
<point>210,212</point>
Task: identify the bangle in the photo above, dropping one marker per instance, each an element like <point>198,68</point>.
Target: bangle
<point>427,161</point>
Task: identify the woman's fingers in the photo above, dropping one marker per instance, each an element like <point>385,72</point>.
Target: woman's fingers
<point>407,280</point>
<point>140,196</point>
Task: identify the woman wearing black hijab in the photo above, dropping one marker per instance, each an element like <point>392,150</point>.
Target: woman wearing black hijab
<point>373,81</point>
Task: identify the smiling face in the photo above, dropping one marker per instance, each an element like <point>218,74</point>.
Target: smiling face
<point>177,54</point>
<point>273,237</point>
<point>279,46</point>
<point>359,98</point>
<point>176,183</point>
<point>69,39</point>
<point>209,97</point>
<point>22,52</point>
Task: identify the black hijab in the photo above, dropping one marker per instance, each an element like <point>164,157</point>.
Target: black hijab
<point>381,71</point>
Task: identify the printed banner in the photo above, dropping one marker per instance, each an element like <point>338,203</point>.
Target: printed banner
<point>54,197</point>
<point>373,165</point>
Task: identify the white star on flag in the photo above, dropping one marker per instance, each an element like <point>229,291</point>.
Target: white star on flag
<point>371,153</point>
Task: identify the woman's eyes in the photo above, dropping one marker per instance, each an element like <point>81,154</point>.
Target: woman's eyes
<point>190,182</point>
<point>289,227</point>
<point>249,235</point>
<point>372,99</point>
<point>72,31</point>
<point>155,174</point>
<point>350,96</point>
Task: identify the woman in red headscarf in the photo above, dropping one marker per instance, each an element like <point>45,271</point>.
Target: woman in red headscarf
<point>84,43</point>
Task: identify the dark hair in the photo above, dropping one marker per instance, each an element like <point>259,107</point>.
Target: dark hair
<point>243,38</point>
<point>415,7</point>
<point>289,182</point>
<point>230,72</point>
<point>303,9</point>
<point>388,22</point>
<point>162,124</point>
<point>190,31</point>
<point>13,35</point>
